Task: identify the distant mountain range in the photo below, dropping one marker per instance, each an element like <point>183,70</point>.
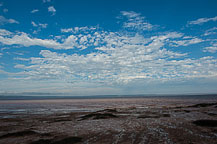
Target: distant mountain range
<point>43,96</point>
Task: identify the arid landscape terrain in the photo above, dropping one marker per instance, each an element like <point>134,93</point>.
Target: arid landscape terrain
<point>109,121</point>
<point>108,71</point>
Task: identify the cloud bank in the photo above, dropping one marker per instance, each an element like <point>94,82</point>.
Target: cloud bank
<point>116,59</point>
<point>4,20</point>
<point>201,21</point>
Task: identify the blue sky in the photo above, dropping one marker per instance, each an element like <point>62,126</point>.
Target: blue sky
<point>108,47</point>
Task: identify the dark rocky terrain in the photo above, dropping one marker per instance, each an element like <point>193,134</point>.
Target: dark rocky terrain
<point>113,121</point>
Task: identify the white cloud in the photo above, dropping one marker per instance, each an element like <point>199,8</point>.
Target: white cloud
<point>45,1</point>
<point>122,59</point>
<point>211,49</point>
<point>186,42</point>
<point>4,20</point>
<point>201,21</point>
<point>21,66</point>
<point>43,25</point>
<point>24,40</point>
<point>4,32</point>
<point>39,26</point>
<point>82,38</point>
<point>5,10</point>
<point>211,31</point>
<point>135,21</point>
<point>72,41</point>
<point>18,53</point>
<point>34,10</point>
<point>21,59</point>
<point>78,29</point>
<point>1,54</point>
<point>52,10</point>
<point>67,30</point>
<point>117,58</point>
<point>4,48</point>
<point>119,67</point>
<point>34,24</point>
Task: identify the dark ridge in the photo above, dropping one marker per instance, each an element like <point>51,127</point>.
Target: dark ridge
<point>148,116</point>
<point>211,114</point>
<point>179,107</point>
<point>206,123</point>
<point>19,133</point>
<point>98,116</point>
<point>68,140</point>
<point>153,115</point>
<point>42,141</point>
<point>46,134</point>
<point>12,120</point>
<point>187,111</point>
<point>61,119</point>
<point>108,110</point>
<point>203,105</point>
<point>166,115</point>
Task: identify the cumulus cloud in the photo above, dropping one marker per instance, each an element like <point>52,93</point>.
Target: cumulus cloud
<point>117,67</point>
<point>78,29</point>
<point>24,40</point>
<point>42,25</point>
<point>21,59</point>
<point>4,20</point>
<point>52,10</point>
<point>120,60</point>
<point>4,32</point>
<point>116,57</point>
<point>72,41</point>
<point>46,1</point>
<point>5,10</point>
<point>211,31</point>
<point>136,21</point>
<point>66,30</point>
<point>201,21</point>
<point>212,48</point>
<point>34,11</point>
<point>186,42</point>
<point>34,24</point>
<point>39,26</point>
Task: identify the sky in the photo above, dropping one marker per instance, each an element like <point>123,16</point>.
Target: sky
<point>104,47</point>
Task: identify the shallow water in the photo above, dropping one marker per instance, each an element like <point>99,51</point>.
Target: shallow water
<point>16,108</point>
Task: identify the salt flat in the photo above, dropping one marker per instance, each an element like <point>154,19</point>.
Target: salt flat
<point>121,120</point>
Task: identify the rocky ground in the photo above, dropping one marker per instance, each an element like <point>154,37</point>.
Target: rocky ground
<point>114,121</point>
